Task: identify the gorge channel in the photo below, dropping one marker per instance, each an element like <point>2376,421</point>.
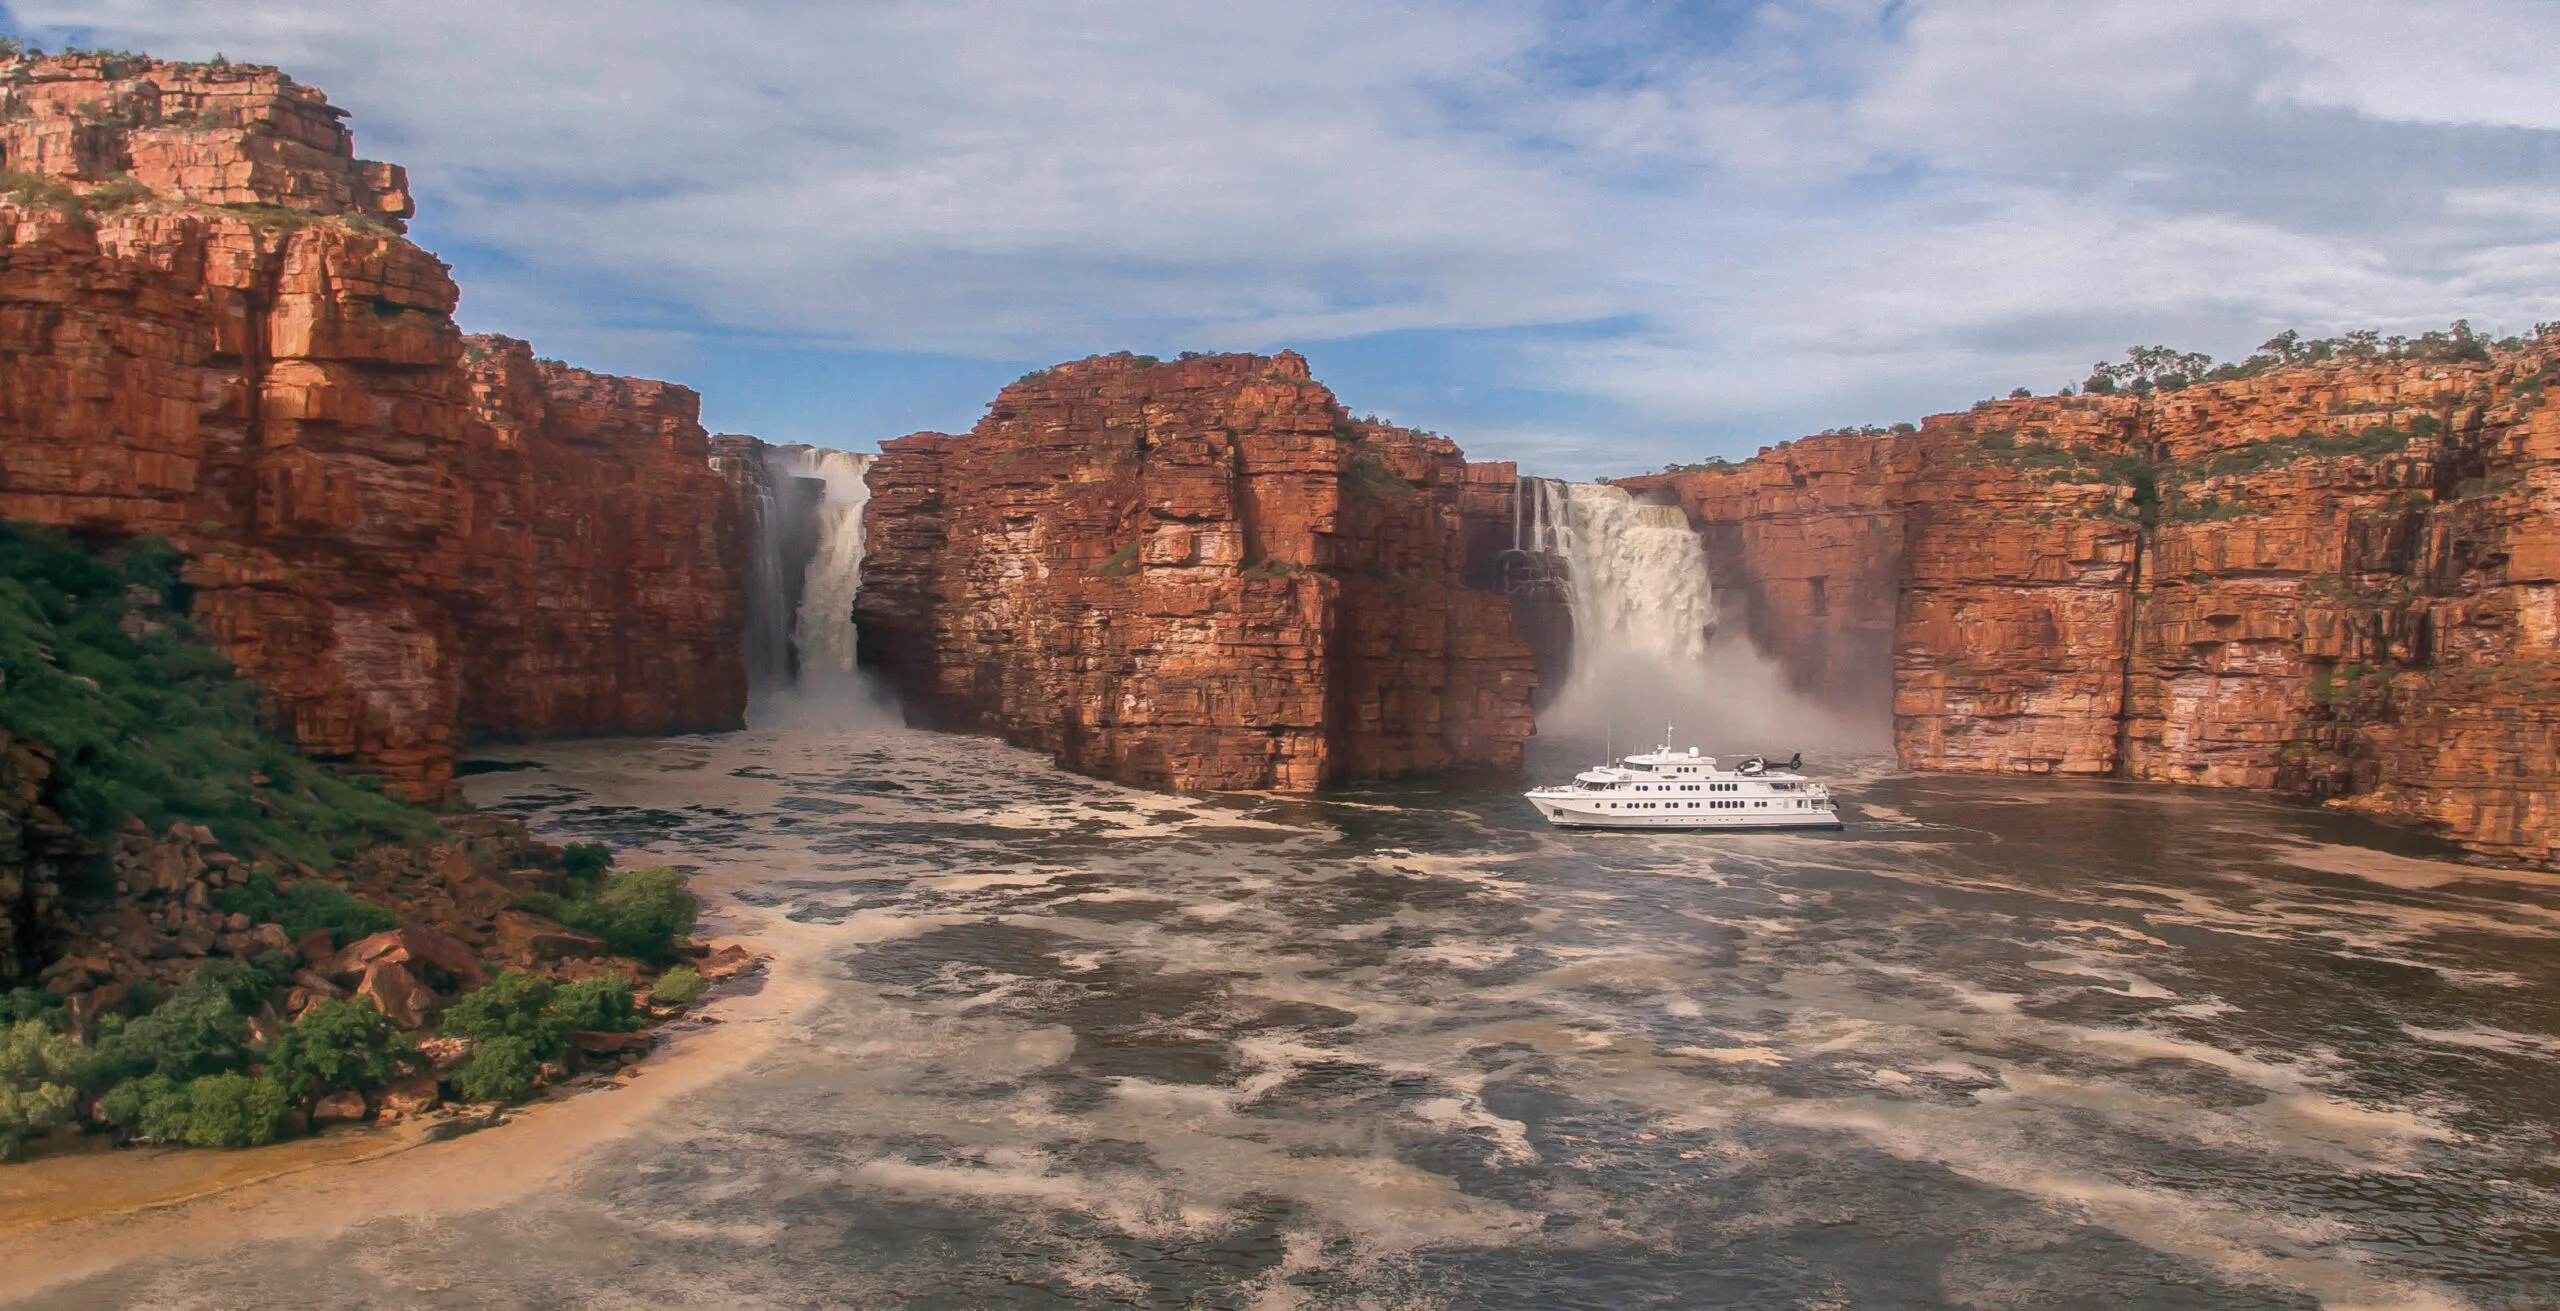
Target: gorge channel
<point>1034,1036</point>
<point>1034,1039</point>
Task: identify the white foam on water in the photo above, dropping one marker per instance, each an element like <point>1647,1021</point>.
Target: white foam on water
<point>1925,1058</point>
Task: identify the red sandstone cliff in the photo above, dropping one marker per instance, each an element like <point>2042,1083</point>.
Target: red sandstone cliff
<point>212,328</point>
<point>600,560</point>
<point>2347,586</point>
<point>1199,574</point>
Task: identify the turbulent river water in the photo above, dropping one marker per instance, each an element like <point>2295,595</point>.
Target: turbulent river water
<point>1054,1042</point>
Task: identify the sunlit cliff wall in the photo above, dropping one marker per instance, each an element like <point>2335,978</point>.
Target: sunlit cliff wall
<point>212,327</point>
<point>2338,581</point>
<point>1198,574</point>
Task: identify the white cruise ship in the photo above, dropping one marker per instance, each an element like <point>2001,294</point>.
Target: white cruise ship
<point>1668,789</point>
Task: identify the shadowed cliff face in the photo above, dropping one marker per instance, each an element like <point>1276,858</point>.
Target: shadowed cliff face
<point>2336,582</point>
<point>1199,574</point>
<point>212,328</point>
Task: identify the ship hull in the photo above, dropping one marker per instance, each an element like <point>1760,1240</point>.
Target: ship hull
<point>1564,814</point>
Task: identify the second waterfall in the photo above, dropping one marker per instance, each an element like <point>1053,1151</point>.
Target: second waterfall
<point>1647,650</point>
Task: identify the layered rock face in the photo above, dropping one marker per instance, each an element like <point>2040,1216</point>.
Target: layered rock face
<point>601,558</point>
<point>211,328</point>
<point>1200,574</point>
<point>2335,581</point>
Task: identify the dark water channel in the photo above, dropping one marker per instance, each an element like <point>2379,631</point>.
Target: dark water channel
<point>1064,1044</point>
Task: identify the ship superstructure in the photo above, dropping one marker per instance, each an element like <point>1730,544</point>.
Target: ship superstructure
<point>1663,788</point>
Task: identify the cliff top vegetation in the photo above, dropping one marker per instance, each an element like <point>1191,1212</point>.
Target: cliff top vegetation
<point>2160,368</point>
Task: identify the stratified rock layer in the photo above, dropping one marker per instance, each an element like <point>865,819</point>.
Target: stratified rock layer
<point>2339,581</point>
<point>211,328</point>
<point>602,559</point>
<point>1200,574</point>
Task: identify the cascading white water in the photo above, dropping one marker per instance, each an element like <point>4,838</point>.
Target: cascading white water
<point>1647,653</point>
<point>1638,574</point>
<point>822,634</point>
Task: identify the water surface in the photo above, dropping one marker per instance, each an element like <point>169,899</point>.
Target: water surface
<point>1999,1044</point>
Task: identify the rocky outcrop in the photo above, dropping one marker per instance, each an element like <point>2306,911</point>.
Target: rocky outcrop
<point>38,853</point>
<point>601,560</point>
<point>212,328</point>
<point>2336,581</point>
<point>1198,574</point>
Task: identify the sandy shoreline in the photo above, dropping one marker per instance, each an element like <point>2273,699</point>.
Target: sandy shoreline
<point>77,1215</point>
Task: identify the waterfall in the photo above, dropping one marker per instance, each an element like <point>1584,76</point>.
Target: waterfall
<point>804,524</point>
<point>1636,574</point>
<point>769,581</point>
<point>1646,650</point>
<point>822,631</point>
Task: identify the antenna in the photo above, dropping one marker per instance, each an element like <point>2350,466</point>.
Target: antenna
<point>1609,737</point>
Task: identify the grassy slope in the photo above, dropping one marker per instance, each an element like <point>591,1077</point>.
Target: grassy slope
<point>157,724</point>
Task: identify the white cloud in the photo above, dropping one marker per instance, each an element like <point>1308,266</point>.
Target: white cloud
<point>1815,210</point>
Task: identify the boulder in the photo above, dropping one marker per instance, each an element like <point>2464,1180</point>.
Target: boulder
<point>317,986</point>
<point>444,1054</point>
<point>315,946</point>
<point>337,1108</point>
<point>398,994</point>
<point>249,944</point>
<point>727,963</point>
<point>480,898</point>
<point>411,1095</point>
<point>412,945</point>
<point>536,938</point>
<point>612,1044</point>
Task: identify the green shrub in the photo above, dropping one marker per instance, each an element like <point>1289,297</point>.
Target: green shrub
<point>156,724</point>
<point>40,1076</point>
<point>154,1107</point>
<point>645,914</point>
<point>586,861</point>
<point>1367,478</point>
<point>499,1070</point>
<point>338,1044</point>
<point>234,1110</point>
<point>595,1006</point>
<point>304,905</point>
<point>117,193</point>
<point>2372,443</point>
<point>203,1028</point>
<point>38,191</point>
<point>1121,563</point>
<point>512,1005</point>
<point>519,1021</point>
<point>681,986</point>
<point>20,1004</point>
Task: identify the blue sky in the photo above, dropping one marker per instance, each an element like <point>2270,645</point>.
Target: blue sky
<point>1590,236</point>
